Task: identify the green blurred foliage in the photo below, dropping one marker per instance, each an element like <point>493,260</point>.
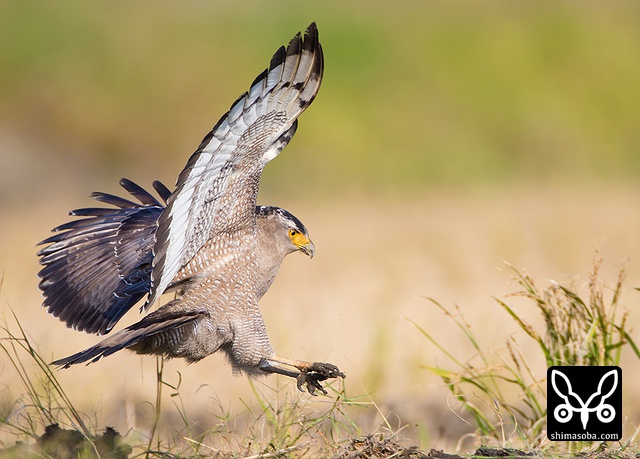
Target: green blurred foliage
<point>417,94</point>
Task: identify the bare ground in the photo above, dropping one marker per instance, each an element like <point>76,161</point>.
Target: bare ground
<point>63,443</point>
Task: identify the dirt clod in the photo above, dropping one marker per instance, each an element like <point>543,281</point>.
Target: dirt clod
<point>484,451</point>
<point>380,446</point>
<point>70,444</point>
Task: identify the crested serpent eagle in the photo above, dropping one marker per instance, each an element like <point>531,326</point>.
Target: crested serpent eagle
<point>207,241</point>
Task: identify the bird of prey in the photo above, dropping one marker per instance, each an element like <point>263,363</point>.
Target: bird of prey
<point>207,241</point>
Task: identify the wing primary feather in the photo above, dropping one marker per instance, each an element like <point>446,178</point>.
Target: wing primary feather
<point>139,193</point>
<point>162,190</point>
<point>111,199</point>
<point>280,55</point>
<point>258,79</point>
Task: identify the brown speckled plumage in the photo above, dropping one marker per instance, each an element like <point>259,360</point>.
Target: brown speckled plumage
<point>210,243</point>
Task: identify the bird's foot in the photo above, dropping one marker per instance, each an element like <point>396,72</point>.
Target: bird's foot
<point>311,375</point>
<point>308,375</point>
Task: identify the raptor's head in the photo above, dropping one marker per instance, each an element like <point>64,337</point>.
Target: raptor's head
<point>288,233</point>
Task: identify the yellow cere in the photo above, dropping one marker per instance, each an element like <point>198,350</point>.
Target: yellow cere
<point>299,239</point>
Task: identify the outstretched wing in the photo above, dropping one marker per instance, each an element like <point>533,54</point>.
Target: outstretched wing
<point>216,192</point>
<point>96,268</point>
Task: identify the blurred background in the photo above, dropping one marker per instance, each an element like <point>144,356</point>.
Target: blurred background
<point>447,136</point>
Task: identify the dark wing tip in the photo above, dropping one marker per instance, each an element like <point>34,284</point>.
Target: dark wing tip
<point>138,192</point>
<point>311,40</point>
<point>113,200</point>
<point>312,31</point>
<point>280,55</point>
<point>143,196</point>
<point>162,190</point>
<point>293,48</point>
<point>309,43</point>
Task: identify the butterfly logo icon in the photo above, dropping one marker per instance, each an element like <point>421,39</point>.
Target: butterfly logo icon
<point>573,403</point>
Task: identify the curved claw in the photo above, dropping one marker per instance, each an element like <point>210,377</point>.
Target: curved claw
<point>316,372</point>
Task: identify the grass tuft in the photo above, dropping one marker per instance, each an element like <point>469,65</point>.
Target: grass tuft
<point>580,328</point>
<point>44,401</point>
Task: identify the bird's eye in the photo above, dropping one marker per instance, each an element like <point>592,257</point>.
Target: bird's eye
<point>293,233</point>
